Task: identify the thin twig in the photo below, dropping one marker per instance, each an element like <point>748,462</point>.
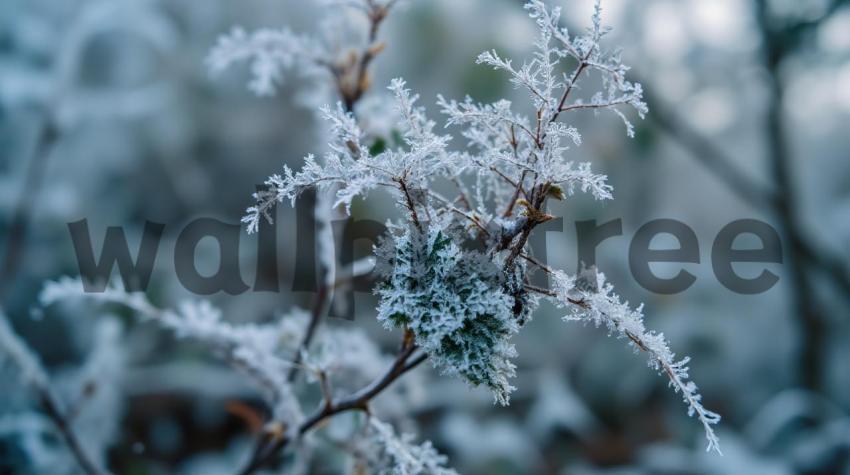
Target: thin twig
<point>462,194</point>
<point>582,106</point>
<point>358,401</point>
<point>351,93</point>
<point>517,190</point>
<point>471,218</point>
<point>319,305</point>
<point>583,64</point>
<point>411,205</point>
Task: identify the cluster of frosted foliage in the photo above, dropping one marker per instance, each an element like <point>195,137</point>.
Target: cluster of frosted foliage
<point>541,78</point>
<point>391,454</point>
<point>457,273</point>
<point>351,170</point>
<point>262,352</point>
<point>453,301</point>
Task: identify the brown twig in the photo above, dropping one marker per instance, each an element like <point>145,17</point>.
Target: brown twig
<point>462,194</point>
<point>582,66</point>
<point>358,401</point>
<point>411,205</point>
<point>354,81</point>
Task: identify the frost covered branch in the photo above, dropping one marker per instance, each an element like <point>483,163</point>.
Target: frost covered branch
<point>264,354</point>
<point>261,352</point>
<point>431,282</point>
<point>463,305</point>
<point>350,171</point>
<point>602,307</point>
<point>268,51</point>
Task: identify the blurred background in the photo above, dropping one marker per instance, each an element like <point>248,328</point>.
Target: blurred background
<point>108,113</point>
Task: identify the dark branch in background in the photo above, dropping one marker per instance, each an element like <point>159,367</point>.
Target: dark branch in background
<point>778,42</point>
<point>759,196</point>
<point>16,236</point>
<point>710,155</point>
<point>358,401</point>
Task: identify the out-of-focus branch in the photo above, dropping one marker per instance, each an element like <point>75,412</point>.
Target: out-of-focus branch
<point>710,155</point>
<point>51,406</point>
<point>796,32</point>
<point>319,305</point>
<point>776,45</point>
<point>30,191</point>
<point>36,377</point>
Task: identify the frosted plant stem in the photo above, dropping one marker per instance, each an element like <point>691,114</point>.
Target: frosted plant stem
<point>350,97</point>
